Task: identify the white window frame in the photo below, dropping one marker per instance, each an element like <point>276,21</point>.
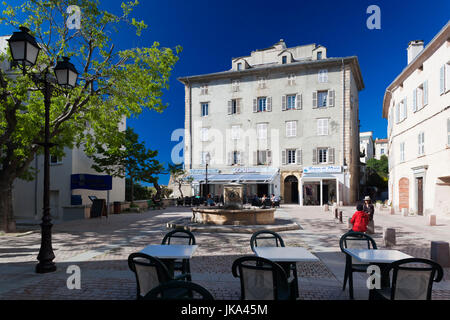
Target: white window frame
<point>202,109</point>
<point>291,156</point>
<point>402,152</point>
<point>259,104</point>
<point>421,143</point>
<point>204,89</point>
<point>261,131</point>
<point>323,76</point>
<point>291,128</point>
<point>235,132</point>
<point>204,134</point>
<point>322,127</point>
<point>319,156</point>
<point>262,82</point>
<point>326,99</point>
<point>289,97</point>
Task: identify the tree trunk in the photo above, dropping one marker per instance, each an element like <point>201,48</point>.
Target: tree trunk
<point>7,222</point>
<point>179,188</point>
<point>132,191</point>
<point>158,190</point>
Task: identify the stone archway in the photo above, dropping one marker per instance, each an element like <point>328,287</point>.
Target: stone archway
<point>291,189</point>
<point>403,193</point>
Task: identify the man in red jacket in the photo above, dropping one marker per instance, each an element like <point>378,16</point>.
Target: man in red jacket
<point>360,219</point>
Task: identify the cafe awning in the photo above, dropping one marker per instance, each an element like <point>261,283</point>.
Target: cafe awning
<point>236,178</point>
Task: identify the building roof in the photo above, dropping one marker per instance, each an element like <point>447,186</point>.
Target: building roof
<point>380,141</point>
<point>352,60</point>
<point>438,40</point>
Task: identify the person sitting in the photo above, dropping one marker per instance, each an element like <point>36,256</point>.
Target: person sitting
<point>275,201</point>
<point>256,202</point>
<point>360,219</point>
<point>209,201</point>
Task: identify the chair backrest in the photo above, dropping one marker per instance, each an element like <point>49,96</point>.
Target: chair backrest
<point>179,290</point>
<point>413,278</point>
<point>149,271</point>
<point>266,238</point>
<point>179,237</point>
<point>261,279</point>
<point>356,240</point>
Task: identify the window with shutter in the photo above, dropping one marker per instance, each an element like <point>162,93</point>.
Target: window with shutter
<point>322,99</point>
<point>269,104</point>
<point>235,85</point>
<point>291,128</point>
<point>447,77</point>
<point>322,154</point>
<point>322,127</point>
<point>415,100</point>
<point>397,113</point>
<point>238,106</point>
<point>331,98</point>
<point>314,99</point>
<point>291,80</point>
<point>204,107</point>
<point>299,102</point>
<point>230,106</point>
<point>269,157</point>
<point>290,102</point>
<point>299,157</point>
<point>330,156</point>
<point>314,159</point>
<point>425,93</point>
<point>442,80</point>
<point>402,152</point>
<point>255,105</point>
<point>283,157</point>
<point>291,154</point>
<point>283,103</point>
<point>323,76</point>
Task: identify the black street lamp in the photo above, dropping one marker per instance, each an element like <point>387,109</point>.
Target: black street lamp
<point>24,51</point>
<point>207,160</point>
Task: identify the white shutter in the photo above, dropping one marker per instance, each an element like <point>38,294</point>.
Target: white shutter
<point>269,104</point>
<point>255,158</point>
<point>331,98</point>
<point>405,108</point>
<point>238,106</point>
<point>425,93</point>
<point>397,113</point>
<point>299,101</point>
<point>255,105</point>
<point>294,128</point>
<point>415,100</point>
<point>298,157</point>
<point>269,157</point>
<point>283,157</point>
<point>314,156</point>
<point>230,106</point>
<point>283,103</point>
<point>331,155</point>
<point>314,99</point>
<point>442,80</point>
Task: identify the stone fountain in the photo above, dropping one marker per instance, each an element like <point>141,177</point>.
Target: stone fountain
<point>233,211</point>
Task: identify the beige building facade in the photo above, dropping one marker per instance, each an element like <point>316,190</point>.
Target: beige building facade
<point>417,106</point>
<point>281,121</point>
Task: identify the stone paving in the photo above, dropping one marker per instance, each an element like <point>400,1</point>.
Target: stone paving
<point>101,247</point>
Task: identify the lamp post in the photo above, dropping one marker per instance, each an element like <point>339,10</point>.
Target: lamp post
<point>24,51</point>
<point>207,160</point>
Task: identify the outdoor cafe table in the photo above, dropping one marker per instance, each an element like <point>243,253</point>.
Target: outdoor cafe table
<point>287,256</point>
<point>169,253</point>
<point>382,258</point>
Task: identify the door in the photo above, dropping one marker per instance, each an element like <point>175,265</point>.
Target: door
<point>294,192</point>
<point>420,196</point>
<point>325,194</point>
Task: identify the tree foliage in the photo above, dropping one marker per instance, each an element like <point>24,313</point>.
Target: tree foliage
<point>114,84</point>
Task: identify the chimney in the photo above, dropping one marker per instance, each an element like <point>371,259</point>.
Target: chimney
<point>414,48</point>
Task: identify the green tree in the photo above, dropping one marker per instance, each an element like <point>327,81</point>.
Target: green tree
<point>130,158</point>
<point>378,172</point>
<point>113,84</point>
<point>140,192</point>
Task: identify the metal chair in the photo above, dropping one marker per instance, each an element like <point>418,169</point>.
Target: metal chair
<point>267,238</point>
<point>355,240</point>
<point>261,279</point>
<point>179,290</point>
<point>180,237</point>
<point>410,282</point>
<point>150,272</point>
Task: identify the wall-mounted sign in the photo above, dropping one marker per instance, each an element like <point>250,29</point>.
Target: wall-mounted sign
<point>90,182</point>
<point>203,171</point>
<point>254,170</point>
<point>324,169</point>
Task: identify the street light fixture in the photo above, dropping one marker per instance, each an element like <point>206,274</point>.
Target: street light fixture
<point>25,50</point>
<point>207,160</point>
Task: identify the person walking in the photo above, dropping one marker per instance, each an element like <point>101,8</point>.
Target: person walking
<point>368,207</point>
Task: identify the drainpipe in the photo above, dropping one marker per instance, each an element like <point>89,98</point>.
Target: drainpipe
<point>190,124</point>
<point>343,124</point>
<point>36,186</point>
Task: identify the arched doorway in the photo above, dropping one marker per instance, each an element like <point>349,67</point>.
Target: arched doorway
<point>403,193</point>
<point>291,189</point>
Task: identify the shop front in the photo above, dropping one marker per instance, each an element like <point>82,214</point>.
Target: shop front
<point>256,181</point>
<point>322,185</point>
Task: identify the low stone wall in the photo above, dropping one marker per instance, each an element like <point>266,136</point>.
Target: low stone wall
<point>234,217</point>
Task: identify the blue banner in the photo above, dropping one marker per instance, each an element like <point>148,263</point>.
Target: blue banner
<point>90,182</point>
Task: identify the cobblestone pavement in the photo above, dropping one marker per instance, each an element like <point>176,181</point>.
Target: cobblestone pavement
<point>101,247</point>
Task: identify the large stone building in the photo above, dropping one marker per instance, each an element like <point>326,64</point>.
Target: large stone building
<point>282,120</point>
<point>417,106</point>
<point>28,196</point>
<point>381,148</point>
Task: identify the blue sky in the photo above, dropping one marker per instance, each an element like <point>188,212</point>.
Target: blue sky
<point>212,32</point>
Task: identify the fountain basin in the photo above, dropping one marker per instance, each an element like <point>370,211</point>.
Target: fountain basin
<point>218,216</point>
